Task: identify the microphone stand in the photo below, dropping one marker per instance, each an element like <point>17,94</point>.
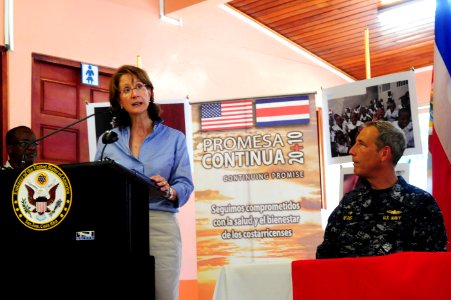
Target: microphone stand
<point>55,132</point>
<point>108,137</point>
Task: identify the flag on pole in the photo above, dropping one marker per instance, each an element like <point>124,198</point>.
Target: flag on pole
<point>227,115</point>
<point>440,138</point>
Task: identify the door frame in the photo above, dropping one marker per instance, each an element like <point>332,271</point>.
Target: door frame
<point>4,101</point>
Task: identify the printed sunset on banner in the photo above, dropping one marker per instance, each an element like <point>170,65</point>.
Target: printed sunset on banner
<point>257,188</point>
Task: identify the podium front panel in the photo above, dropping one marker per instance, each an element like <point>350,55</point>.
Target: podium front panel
<point>105,230</point>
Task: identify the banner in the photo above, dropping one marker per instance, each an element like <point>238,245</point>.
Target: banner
<point>257,182</point>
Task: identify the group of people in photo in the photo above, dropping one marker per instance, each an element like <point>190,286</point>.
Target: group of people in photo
<point>345,125</point>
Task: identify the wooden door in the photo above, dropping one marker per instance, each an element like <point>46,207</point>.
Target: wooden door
<point>174,115</point>
<point>59,99</point>
<point>3,102</point>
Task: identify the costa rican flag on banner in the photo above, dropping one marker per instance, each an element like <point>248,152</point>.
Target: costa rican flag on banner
<point>282,111</point>
<point>440,138</point>
<point>227,115</point>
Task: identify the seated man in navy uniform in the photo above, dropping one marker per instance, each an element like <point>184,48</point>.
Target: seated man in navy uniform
<point>384,214</point>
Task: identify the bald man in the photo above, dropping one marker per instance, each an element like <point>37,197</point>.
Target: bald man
<point>22,150</point>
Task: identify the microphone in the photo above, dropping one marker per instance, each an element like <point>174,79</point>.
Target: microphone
<point>23,162</point>
<point>108,137</point>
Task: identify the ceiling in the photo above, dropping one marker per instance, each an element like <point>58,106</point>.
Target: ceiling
<point>334,31</point>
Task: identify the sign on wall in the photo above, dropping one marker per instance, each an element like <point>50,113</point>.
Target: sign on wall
<point>89,74</point>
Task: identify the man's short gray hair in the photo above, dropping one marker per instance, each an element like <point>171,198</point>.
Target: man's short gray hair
<point>389,135</point>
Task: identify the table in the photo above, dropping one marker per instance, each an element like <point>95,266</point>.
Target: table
<point>405,275</point>
<point>255,281</point>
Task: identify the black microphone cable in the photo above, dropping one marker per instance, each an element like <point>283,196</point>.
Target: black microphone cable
<point>58,130</point>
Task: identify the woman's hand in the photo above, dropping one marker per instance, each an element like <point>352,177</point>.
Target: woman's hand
<point>164,186</point>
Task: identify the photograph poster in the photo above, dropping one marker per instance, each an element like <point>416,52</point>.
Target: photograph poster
<point>347,107</point>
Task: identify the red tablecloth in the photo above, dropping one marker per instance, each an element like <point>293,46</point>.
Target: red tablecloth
<point>400,276</point>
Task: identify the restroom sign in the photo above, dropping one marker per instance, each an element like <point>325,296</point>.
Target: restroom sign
<point>89,74</point>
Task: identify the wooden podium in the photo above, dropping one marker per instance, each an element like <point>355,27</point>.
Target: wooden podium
<point>100,248</point>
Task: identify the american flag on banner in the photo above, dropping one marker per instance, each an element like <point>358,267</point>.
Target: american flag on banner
<point>440,139</point>
<point>226,115</point>
<point>282,111</point>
